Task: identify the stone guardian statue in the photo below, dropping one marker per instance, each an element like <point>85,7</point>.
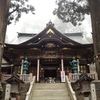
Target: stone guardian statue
<point>74,65</point>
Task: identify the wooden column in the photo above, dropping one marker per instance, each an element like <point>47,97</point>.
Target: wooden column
<point>62,64</point>
<point>22,67</point>
<point>38,67</point>
<point>78,66</point>
<point>62,71</point>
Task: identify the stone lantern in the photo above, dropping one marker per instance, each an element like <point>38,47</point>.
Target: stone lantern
<point>14,81</point>
<point>83,86</point>
<point>26,64</point>
<point>74,65</point>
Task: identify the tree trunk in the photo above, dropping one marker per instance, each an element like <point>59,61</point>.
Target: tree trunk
<point>4,8</point>
<point>95,18</point>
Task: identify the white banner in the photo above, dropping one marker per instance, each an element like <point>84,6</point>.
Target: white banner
<point>62,76</point>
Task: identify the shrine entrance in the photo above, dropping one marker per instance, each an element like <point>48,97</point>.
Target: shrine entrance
<point>50,73</point>
<point>50,66</point>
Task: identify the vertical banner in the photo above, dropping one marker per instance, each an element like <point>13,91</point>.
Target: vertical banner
<point>62,76</point>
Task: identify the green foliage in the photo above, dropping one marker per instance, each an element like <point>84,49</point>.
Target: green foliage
<point>17,7</point>
<point>72,10</point>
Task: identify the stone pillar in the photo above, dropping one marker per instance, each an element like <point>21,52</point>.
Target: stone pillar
<point>93,92</point>
<point>7,92</point>
<point>62,64</point>
<point>38,64</point>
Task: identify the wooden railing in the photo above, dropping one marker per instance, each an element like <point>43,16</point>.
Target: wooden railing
<point>70,89</point>
<point>75,76</point>
<point>31,89</point>
<point>27,78</point>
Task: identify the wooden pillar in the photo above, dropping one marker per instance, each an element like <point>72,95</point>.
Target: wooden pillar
<point>62,71</point>
<point>62,64</point>
<point>22,67</point>
<point>38,67</point>
<point>78,66</point>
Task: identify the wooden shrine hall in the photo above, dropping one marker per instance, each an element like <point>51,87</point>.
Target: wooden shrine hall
<point>48,52</point>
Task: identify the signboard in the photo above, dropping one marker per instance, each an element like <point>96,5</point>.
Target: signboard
<point>62,76</point>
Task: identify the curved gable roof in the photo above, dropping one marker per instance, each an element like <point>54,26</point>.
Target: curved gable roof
<point>50,34</point>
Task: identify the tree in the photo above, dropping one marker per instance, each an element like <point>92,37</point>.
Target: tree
<point>95,16</point>
<point>17,7</point>
<point>10,10</point>
<point>74,10</point>
<point>4,9</point>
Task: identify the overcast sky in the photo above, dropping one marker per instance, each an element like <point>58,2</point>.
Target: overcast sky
<point>43,14</point>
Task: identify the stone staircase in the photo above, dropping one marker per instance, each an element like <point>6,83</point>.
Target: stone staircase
<point>50,91</point>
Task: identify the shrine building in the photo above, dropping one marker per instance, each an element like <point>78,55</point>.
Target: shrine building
<point>48,52</point>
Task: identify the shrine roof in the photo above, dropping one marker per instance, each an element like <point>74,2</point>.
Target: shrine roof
<point>84,77</point>
<point>14,78</point>
<point>50,33</point>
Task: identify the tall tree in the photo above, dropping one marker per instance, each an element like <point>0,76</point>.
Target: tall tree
<point>74,11</point>
<point>11,10</point>
<point>95,16</point>
<point>4,9</point>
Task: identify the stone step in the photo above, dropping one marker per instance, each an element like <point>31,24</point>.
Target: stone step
<point>51,98</point>
<point>50,91</point>
<point>50,86</point>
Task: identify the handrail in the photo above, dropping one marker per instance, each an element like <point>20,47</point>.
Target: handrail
<point>70,90</point>
<point>30,91</point>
